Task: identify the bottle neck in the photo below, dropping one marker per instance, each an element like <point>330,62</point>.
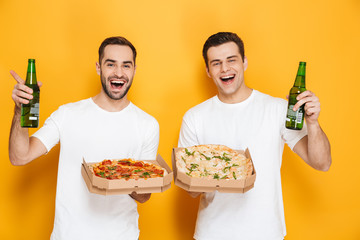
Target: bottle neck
<point>300,76</point>
<point>31,74</point>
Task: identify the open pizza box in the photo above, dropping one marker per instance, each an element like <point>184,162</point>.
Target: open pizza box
<point>193,184</point>
<point>105,186</point>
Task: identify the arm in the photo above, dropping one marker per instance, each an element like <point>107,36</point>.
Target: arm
<point>22,149</point>
<point>149,150</point>
<point>314,148</point>
<point>188,138</point>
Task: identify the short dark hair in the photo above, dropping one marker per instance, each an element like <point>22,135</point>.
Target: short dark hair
<point>115,41</point>
<point>221,38</point>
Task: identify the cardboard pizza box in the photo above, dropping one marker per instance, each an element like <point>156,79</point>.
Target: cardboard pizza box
<point>193,184</point>
<point>105,186</point>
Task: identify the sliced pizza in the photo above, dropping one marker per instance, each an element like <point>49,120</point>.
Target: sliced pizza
<point>126,169</point>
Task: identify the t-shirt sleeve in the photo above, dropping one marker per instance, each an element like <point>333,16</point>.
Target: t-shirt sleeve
<point>291,137</point>
<point>49,133</point>
<point>187,135</point>
<point>151,141</point>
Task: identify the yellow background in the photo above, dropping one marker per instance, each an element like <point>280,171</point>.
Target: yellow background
<point>64,36</point>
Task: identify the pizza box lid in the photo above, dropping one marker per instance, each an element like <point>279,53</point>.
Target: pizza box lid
<point>105,186</point>
<point>193,184</point>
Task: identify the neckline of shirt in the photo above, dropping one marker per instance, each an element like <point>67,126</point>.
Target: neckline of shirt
<point>235,105</point>
<point>107,112</point>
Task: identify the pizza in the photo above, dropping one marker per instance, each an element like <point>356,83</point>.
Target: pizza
<point>126,169</point>
<point>213,162</point>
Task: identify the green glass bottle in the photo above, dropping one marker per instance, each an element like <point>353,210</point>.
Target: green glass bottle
<point>295,120</point>
<point>30,111</point>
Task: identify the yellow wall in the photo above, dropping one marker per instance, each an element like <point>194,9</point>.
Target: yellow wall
<point>64,37</point>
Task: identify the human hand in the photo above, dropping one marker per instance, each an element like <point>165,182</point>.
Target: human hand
<point>140,197</point>
<point>311,107</point>
<point>21,93</point>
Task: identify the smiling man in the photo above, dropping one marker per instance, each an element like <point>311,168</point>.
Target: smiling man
<point>240,117</point>
<point>105,126</point>
<point>116,81</point>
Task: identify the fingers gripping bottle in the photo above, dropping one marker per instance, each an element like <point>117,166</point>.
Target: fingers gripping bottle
<point>30,111</point>
<point>295,120</point>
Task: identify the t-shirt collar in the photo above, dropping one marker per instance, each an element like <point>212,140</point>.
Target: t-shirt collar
<point>230,105</point>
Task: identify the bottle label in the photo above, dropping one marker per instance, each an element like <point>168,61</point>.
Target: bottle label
<point>34,109</point>
<point>299,117</point>
<point>295,116</point>
<point>33,118</point>
<point>291,113</point>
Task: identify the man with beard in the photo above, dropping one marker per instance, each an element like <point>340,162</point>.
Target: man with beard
<point>107,125</point>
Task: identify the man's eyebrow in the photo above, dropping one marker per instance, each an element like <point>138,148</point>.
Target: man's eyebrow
<point>114,61</point>
<point>233,56</point>
<point>127,62</point>
<point>215,60</point>
<point>218,60</point>
<point>109,60</point>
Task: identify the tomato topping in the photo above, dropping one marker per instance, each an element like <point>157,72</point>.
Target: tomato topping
<point>106,162</point>
<point>124,162</point>
<point>158,171</point>
<point>126,169</point>
<point>138,164</point>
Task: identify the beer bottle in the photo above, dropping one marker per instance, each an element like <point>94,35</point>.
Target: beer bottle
<point>30,111</point>
<point>295,120</point>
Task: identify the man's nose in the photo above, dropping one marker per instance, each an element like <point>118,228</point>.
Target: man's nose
<point>224,67</point>
<point>118,71</point>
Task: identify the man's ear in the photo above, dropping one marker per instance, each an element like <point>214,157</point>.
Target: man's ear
<point>245,63</point>
<point>207,72</point>
<point>98,68</point>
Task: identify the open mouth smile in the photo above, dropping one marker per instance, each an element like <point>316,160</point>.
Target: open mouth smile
<point>228,78</point>
<point>117,84</point>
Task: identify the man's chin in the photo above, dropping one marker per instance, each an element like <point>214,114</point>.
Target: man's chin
<point>115,97</point>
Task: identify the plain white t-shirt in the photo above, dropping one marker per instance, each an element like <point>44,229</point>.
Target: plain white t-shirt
<point>258,123</point>
<point>87,131</point>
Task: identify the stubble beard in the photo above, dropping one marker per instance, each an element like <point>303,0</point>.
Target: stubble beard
<point>107,90</point>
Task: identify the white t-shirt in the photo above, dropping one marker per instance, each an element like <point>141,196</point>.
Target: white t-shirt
<point>258,123</point>
<point>86,130</point>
